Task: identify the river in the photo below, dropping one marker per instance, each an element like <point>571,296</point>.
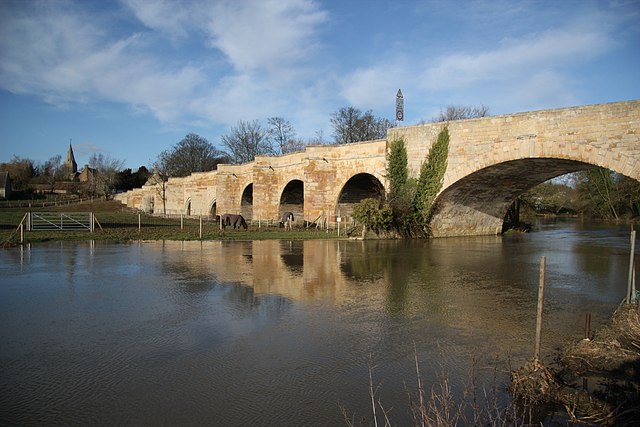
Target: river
<point>284,332</point>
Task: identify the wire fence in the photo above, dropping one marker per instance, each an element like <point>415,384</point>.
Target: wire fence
<point>48,202</point>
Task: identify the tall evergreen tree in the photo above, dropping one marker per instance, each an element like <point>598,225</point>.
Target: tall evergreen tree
<point>431,178</point>
<point>397,172</point>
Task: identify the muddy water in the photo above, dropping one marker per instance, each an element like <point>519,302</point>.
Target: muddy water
<point>282,333</point>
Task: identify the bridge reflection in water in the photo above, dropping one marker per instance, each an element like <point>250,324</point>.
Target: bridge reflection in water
<point>280,332</point>
<point>479,286</point>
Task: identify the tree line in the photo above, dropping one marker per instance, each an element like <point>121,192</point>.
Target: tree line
<point>248,139</point>
<point>194,153</point>
<point>105,174</point>
<point>595,193</point>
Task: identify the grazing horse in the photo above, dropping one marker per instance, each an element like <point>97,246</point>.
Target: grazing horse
<point>287,218</point>
<point>236,220</point>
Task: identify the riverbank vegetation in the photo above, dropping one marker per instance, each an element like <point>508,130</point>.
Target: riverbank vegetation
<point>595,193</point>
<point>536,395</point>
<point>596,381</point>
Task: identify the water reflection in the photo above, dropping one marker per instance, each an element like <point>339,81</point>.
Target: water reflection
<point>279,332</point>
<point>293,254</point>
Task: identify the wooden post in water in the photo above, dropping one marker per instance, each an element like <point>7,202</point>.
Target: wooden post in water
<point>181,222</point>
<point>631,298</point>
<point>587,327</point>
<point>536,352</point>
<point>200,227</point>
<point>139,222</point>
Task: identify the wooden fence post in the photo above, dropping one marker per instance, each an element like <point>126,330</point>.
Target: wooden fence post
<point>630,297</point>
<point>536,352</point>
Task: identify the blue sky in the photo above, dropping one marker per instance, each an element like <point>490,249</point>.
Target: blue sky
<point>131,78</point>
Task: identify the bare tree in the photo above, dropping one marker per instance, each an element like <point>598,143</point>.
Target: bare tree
<point>53,171</point>
<point>460,112</point>
<point>246,141</point>
<point>21,171</point>
<point>294,145</point>
<point>318,139</point>
<point>283,136</point>
<point>158,180</point>
<point>351,125</point>
<point>192,154</point>
<point>103,178</point>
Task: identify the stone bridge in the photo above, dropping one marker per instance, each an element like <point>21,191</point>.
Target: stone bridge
<point>491,161</point>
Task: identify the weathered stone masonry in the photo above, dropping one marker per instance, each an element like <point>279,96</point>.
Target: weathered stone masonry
<point>491,161</point>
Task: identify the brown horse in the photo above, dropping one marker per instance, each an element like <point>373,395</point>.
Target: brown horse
<point>236,220</point>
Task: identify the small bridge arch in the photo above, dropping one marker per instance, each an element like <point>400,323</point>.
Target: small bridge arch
<point>246,202</point>
<point>357,188</point>
<point>292,199</point>
<point>213,208</point>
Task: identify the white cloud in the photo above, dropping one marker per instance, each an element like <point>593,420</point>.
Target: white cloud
<point>516,58</point>
<point>56,51</point>
<point>544,89</point>
<point>370,88</point>
<point>240,59</point>
<point>173,18</point>
<point>267,34</point>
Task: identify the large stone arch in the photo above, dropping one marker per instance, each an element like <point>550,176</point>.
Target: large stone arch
<point>292,199</point>
<point>606,135</point>
<point>477,203</point>
<point>357,188</point>
<point>187,207</point>
<point>493,159</point>
<point>246,202</point>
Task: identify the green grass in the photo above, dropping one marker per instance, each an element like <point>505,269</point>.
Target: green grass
<point>121,224</point>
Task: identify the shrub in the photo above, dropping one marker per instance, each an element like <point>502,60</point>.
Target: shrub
<point>369,213</point>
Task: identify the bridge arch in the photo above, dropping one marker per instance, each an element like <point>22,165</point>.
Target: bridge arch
<point>357,188</point>
<point>477,203</point>
<point>246,202</point>
<point>292,199</point>
<point>213,207</point>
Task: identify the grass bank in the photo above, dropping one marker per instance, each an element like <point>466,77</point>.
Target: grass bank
<point>117,223</point>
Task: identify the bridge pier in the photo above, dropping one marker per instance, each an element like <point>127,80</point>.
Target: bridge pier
<point>453,219</point>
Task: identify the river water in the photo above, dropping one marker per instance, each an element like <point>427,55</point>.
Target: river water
<point>284,332</point>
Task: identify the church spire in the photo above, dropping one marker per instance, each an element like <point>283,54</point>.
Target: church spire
<point>70,163</point>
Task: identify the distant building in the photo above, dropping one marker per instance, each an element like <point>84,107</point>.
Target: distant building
<point>87,174</point>
<point>5,186</point>
<point>70,165</point>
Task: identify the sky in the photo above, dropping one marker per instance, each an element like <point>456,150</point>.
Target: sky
<point>130,78</point>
